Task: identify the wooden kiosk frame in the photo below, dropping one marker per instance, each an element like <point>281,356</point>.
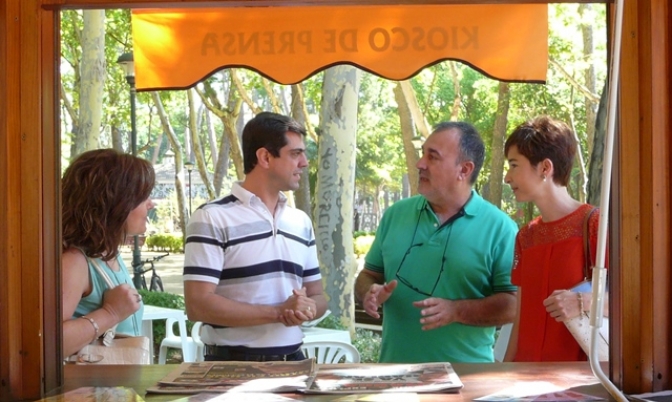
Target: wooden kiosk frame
<point>641,284</point>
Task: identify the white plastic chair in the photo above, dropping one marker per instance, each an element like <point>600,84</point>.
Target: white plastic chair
<point>328,352</point>
<point>172,340</point>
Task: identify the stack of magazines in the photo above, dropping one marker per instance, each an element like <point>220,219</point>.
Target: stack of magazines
<point>304,376</point>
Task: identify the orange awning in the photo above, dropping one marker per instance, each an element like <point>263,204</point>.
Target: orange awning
<point>178,48</point>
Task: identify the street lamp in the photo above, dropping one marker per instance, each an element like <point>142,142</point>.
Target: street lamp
<point>190,166</point>
<point>126,62</point>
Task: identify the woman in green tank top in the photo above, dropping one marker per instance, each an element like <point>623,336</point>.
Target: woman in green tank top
<point>105,200</point>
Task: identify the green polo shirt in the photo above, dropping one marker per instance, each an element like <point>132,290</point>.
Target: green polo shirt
<point>468,257</point>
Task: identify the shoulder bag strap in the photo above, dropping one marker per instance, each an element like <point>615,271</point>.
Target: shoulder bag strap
<point>587,271</point>
<point>109,334</point>
<point>101,272</point>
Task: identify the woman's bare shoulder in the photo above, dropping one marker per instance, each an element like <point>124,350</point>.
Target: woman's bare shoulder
<point>73,259</point>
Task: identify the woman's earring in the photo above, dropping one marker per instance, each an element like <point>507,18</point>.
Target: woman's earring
<point>544,177</point>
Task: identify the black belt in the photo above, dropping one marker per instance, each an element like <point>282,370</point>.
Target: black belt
<point>230,353</point>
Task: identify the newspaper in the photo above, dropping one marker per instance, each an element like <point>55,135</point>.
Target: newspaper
<point>97,394</point>
<point>660,396</point>
<point>234,376</point>
<point>366,379</point>
<point>238,397</point>
<point>537,391</point>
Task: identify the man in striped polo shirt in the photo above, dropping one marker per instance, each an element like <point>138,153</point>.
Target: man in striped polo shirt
<point>250,270</point>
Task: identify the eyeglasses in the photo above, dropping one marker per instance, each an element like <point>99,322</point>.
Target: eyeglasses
<point>414,245</point>
<point>438,277</point>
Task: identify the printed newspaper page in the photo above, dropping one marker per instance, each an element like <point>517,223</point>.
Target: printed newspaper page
<point>97,394</point>
<point>366,379</point>
<point>276,376</point>
<point>537,391</point>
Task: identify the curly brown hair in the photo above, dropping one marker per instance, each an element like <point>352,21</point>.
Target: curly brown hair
<point>100,188</point>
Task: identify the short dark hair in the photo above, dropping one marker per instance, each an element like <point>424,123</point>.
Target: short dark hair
<point>100,188</point>
<point>267,130</point>
<point>545,138</point>
<point>471,144</point>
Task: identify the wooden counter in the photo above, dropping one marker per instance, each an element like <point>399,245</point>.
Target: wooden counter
<point>478,379</point>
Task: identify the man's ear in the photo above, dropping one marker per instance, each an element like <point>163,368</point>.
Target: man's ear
<point>466,170</point>
<point>263,157</point>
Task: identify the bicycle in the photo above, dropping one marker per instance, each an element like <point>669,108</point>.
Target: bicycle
<point>155,283</point>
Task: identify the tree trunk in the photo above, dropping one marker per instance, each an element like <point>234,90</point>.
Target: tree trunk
<point>497,153</point>
<point>92,81</point>
<point>529,211</point>
<point>196,147</point>
<point>116,138</point>
<point>405,187</point>
<point>407,134</point>
<point>596,159</point>
<point>235,147</point>
<point>228,117</point>
<point>302,195</point>
<point>211,136</point>
<point>179,160</point>
<point>335,189</point>
<point>157,148</point>
<point>457,100</point>
<point>222,165</point>
<point>590,81</point>
<point>582,177</point>
<point>412,101</point>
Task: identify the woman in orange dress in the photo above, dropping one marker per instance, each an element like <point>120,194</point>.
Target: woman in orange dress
<point>549,252</point>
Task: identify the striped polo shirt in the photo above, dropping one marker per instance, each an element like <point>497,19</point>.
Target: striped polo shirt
<point>252,257</point>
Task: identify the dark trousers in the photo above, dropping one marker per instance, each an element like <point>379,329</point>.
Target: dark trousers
<point>228,353</point>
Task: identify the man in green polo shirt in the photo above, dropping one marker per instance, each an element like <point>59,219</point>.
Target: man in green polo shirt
<point>441,262</point>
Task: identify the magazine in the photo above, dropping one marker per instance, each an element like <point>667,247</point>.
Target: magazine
<point>366,379</point>
<point>234,376</point>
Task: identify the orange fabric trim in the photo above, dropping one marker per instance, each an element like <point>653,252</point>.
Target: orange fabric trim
<point>177,48</point>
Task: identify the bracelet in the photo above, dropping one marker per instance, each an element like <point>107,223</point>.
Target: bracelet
<point>95,325</point>
<point>580,298</point>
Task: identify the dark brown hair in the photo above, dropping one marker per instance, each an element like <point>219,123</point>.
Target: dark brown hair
<point>100,188</point>
<point>267,130</point>
<point>545,138</point>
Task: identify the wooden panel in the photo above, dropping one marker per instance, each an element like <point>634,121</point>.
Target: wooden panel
<point>30,208</point>
<point>51,147</point>
<point>10,194</point>
<point>645,198</point>
<point>646,194</point>
<point>628,373</point>
<point>660,79</point>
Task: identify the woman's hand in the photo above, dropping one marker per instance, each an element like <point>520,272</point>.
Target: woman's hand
<point>121,301</point>
<point>564,304</point>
